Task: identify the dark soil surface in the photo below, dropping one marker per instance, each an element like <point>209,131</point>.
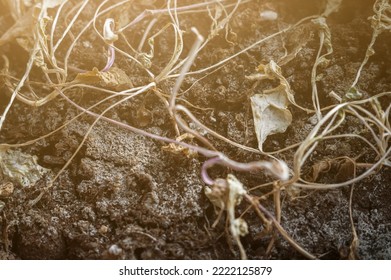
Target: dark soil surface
<point>126,197</point>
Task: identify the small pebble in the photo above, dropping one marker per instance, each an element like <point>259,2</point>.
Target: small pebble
<point>268,15</point>
<point>115,250</point>
<point>103,229</point>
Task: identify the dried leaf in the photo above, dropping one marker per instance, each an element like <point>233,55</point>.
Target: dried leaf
<point>114,78</point>
<point>273,71</point>
<point>317,169</point>
<point>177,149</point>
<point>342,168</point>
<point>21,168</point>
<point>227,194</point>
<point>146,58</point>
<point>296,41</point>
<point>270,108</point>
<point>239,227</point>
<point>352,94</point>
<point>236,191</point>
<point>108,31</point>
<point>270,115</point>
<point>218,193</point>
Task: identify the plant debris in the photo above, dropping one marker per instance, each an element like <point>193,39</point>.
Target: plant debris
<point>21,168</point>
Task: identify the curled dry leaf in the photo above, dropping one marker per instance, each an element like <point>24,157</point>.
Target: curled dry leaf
<point>295,42</point>
<point>108,31</point>
<point>239,227</point>
<point>177,149</point>
<point>270,108</point>
<point>270,114</point>
<point>342,168</point>
<point>21,168</point>
<point>217,195</point>
<point>317,169</point>
<point>114,78</point>
<point>226,194</point>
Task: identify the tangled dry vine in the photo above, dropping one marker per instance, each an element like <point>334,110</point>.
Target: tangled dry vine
<point>51,33</point>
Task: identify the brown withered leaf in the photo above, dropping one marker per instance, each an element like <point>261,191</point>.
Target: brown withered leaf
<point>115,78</point>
